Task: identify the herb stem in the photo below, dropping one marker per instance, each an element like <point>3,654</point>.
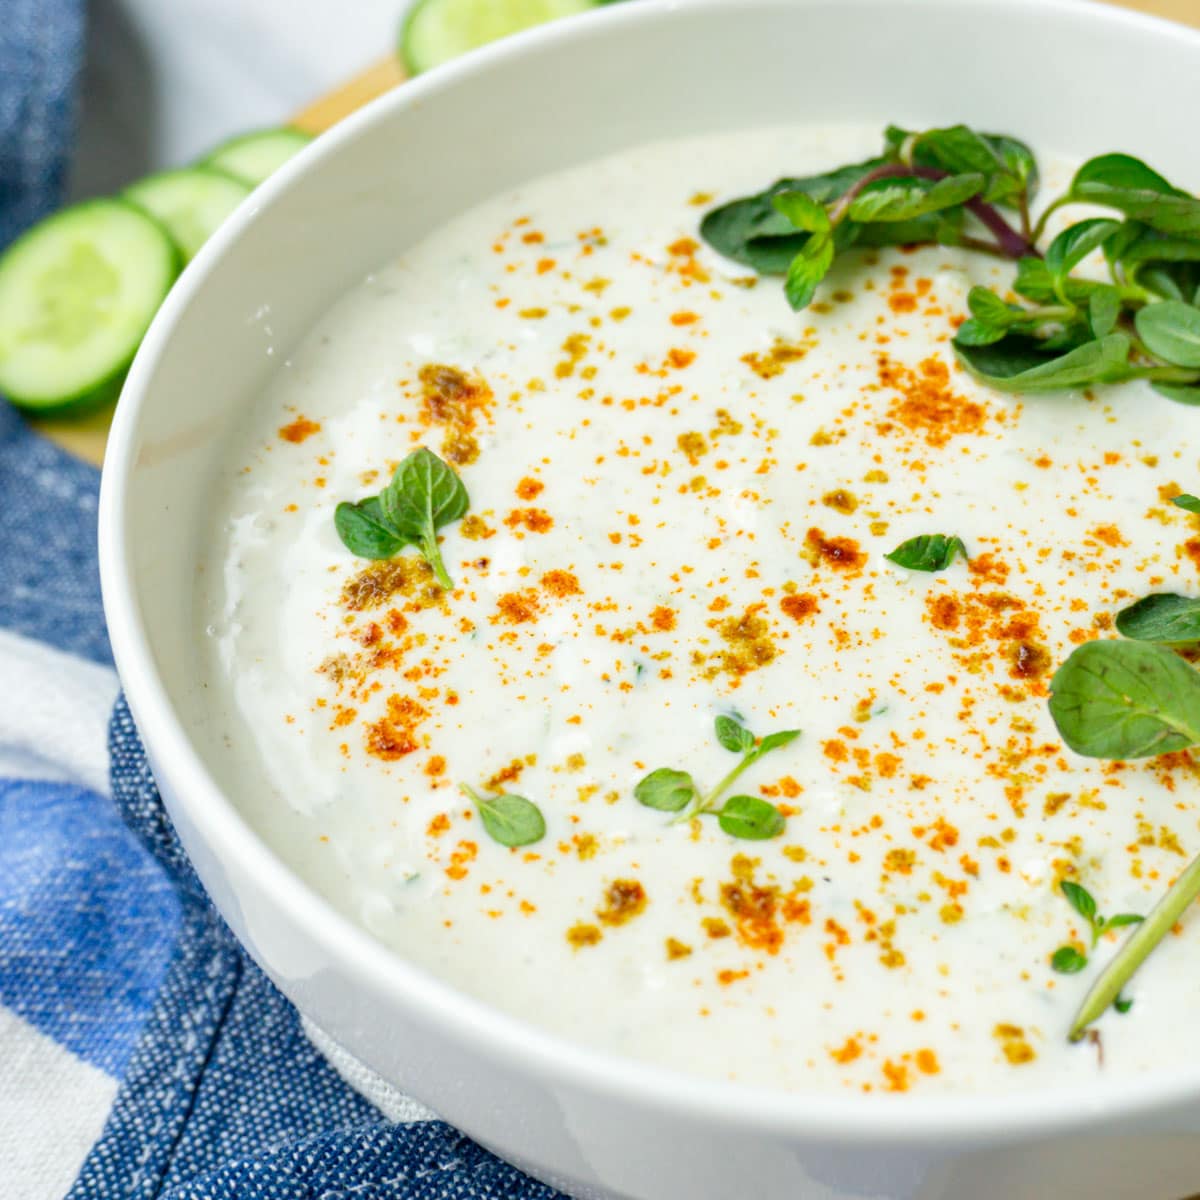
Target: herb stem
<point>1023,210</point>
<point>1040,227</point>
<point>1166,374</point>
<point>982,246</point>
<point>711,799</point>
<point>1137,948</point>
<point>433,556</point>
<point>1009,242</point>
<point>1012,243</point>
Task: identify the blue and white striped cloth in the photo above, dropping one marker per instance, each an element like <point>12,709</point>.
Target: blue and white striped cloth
<point>142,1054</point>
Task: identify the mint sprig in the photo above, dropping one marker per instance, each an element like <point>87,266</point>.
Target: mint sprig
<point>423,496</point>
<point>669,790</point>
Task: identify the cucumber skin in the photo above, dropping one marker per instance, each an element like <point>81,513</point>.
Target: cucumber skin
<point>211,160</point>
<point>129,196</point>
<point>403,42</point>
<point>97,394</point>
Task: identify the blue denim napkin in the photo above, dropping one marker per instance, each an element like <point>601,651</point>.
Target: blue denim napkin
<point>142,1054</point>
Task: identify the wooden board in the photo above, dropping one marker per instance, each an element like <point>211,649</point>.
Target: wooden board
<point>86,436</point>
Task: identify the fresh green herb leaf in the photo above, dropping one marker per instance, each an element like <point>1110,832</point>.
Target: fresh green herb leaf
<point>423,496</point>
<point>750,818</point>
<point>510,820</point>
<point>801,211</point>
<point>1180,393</point>
<point>773,741</point>
<point>907,198</point>
<point>1120,921</point>
<point>743,816</point>
<point>1035,282</point>
<point>750,230</point>
<point>1021,364</point>
<point>1187,502</point>
<point>1163,617</point>
<point>1066,960</point>
<point>733,735</point>
<point>666,790</point>
<point>1081,900</point>
<point>1137,947</point>
<point>1007,164</point>
<point>365,531</point>
<point>1076,242</point>
<point>807,269</point>
<point>1125,183</point>
<point>928,552</point>
<point>1104,310</point>
<point>1171,330</point>
<point>1117,699</point>
<point>1122,1005</point>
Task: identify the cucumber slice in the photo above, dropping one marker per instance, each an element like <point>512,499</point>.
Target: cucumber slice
<point>190,203</point>
<point>438,30</point>
<point>77,293</point>
<point>251,157</point>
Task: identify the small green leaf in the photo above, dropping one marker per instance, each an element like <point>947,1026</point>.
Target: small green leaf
<point>1180,393</point>
<point>733,735</point>
<point>1121,920</point>
<point>750,818</point>
<point>991,318</point>
<point>1122,1005</point>
<point>750,230</point>
<point>802,211</point>
<point>510,820</point>
<point>1076,242</point>
<point>807,269</point>
<point>1081,900</point>
<point>1163,617</point>
<point>928,552</point>
<point>666,790</point>
<point>1035,282</point>
<point>1187,502</point>
<point>1129,185</point>
<point>1115,699</point>
<point>906,198</point>
<point>974,332</point>
<point>1066,960</point>
<point>1171,329</point>
<point>1104,310</point>
<point>1118,172</point>
<point>424,495</point>
<point>365,531</point>
<point>773,741</point>
<point>1021,364</point>
<point>1007,164</point>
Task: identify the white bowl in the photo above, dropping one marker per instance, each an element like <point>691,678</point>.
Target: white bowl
<point>1068,76</point>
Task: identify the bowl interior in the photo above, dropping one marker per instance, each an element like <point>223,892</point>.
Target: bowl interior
<point>1064,75</point>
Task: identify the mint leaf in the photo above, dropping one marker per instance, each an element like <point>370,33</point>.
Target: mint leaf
<point>750,818</point>
<point>665,790</point>
<point>1163,617</point>
<point>424,495</point>
<point>365,531</point>
<point>928,552</point>
<point>1114,699</point>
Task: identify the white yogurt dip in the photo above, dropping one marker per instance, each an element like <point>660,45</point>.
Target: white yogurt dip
<point>682,494</point>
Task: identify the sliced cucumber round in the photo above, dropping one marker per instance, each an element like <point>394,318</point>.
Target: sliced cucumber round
<point>251,157</point>
<point>77,293</point>
<point>438,30</point>
<point>190,203</point>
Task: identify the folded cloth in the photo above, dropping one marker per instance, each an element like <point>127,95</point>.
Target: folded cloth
<point>142,1054</point>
